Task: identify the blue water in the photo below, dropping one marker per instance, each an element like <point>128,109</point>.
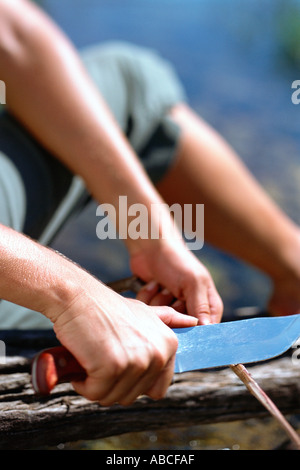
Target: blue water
<point>230,57</point>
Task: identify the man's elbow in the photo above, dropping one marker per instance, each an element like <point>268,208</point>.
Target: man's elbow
<point>12,31</point>
<point>20,25</point>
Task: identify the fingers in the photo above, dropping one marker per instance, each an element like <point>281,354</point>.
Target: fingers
<point>216,306</point>
<point>175,319</point>
<point>151,384</point>
<point>152,294</point>
<point>202,302</point>
<point>142,375</point>
<point>146,364</point>
<point>160,386</point>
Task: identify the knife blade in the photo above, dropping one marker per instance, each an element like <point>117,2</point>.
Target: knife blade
<point>200,347</point>
<point>241,341</point>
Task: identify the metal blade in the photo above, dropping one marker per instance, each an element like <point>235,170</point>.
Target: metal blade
<point>235,342</point>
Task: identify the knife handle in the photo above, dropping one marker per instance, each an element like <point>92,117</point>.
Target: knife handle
<point>53,366</point>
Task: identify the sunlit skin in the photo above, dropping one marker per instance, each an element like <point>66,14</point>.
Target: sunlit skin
<point>46,83</point>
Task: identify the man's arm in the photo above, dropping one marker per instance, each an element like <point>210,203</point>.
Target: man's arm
<point>125,346</point>
<point>50,92</point>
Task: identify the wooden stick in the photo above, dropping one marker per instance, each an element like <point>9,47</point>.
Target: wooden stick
<point>261,396</point>
<point>131,283</point>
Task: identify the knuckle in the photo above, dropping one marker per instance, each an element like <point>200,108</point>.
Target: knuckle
<point>204,308</point>
<point>162,355</point>
<point>173,341</point>
<point>158,359</point>
<point>117,367</point>
<point>195,281</point>
<point>141,364</point>
<point>220,306</point>
<point>203,279</point>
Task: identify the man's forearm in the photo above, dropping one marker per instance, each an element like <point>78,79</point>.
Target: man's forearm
<point>36,277</point>
<point>51,93</point>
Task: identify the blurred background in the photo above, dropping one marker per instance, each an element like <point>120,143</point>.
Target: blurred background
<point>237,60</point>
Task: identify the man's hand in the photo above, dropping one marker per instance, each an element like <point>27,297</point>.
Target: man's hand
<point>125,346</point>
<point>176,277</point>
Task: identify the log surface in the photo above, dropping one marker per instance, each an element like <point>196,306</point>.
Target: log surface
<point>30,421</point>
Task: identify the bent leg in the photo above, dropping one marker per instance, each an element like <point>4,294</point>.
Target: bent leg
<point>32,186</point>
<point>240,218</point>
<point>12,195</point>
<point>12,214</point>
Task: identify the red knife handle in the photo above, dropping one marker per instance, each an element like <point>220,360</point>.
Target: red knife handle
<point>53,366</point>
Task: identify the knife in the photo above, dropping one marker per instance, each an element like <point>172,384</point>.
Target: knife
<point>230,344</point>
<point>199,347</point>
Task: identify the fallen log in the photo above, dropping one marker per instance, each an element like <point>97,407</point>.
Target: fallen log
<point>29,421</point>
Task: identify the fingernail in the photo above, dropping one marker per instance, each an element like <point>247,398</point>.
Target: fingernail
<point>165,291</point>
<point>151,285</point>
<point>192,320</point>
